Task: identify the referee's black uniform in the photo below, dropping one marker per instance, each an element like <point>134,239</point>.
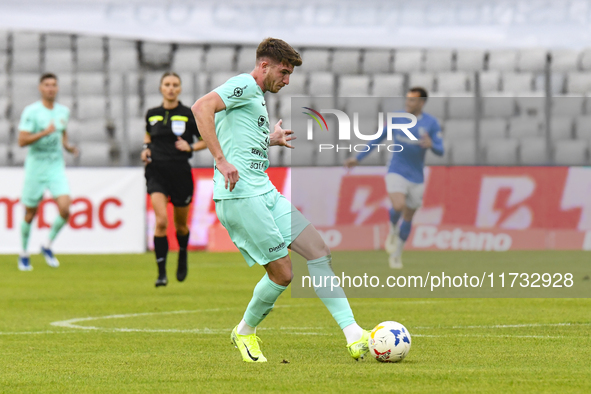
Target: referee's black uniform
<point>169,172</point>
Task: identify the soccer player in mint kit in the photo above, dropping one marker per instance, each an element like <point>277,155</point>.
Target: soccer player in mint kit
<point>404,181</point>
<point>43,129</point>
<point>234,123</point>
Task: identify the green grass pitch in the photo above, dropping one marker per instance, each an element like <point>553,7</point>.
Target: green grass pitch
<point>98,325</point>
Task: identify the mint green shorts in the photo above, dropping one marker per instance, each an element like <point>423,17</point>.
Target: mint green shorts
<point>52,178</point>
<point>261,227</point>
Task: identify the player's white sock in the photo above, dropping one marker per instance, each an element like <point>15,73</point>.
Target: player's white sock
<point>353,332</point>
<point>245,329</point>
<point>399,247</point>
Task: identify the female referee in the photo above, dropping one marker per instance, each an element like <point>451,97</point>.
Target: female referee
<point>168,145</point>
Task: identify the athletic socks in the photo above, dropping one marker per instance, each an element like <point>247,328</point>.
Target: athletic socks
<point>335,300</point>
<point>55,229</point>
<point>245,329</point>
<point>25,232</point>
<point>161,250</point>
<point>405,228</point>
<point>353,332</point>
<point>263,299</point>
<point>394,216</point>
<point>181,272</point>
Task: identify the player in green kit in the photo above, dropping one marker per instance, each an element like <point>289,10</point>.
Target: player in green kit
<point>234,123</point>
<point>43,129</point>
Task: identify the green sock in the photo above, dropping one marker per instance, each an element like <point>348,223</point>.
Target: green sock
<point>335,300</point>
<point>263,299</point>
<point>25,232</point>
<point>56,227</point>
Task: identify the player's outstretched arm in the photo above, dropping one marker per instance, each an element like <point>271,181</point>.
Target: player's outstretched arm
<point>281,137</point>
<point>27,138</point>
<point>204,111</point>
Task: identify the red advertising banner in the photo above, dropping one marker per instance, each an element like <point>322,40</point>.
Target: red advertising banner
<point>464,208</point>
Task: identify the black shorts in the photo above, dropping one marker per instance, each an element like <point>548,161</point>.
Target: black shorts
<point>172,178</point>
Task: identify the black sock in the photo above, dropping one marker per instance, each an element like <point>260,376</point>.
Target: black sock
<point>161,249</point>
<point>181,272</point>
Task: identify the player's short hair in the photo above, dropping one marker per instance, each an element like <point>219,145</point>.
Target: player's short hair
<point>279,51</point>
<point>421,91</point>
<point>170,74</point>
<point>47,76</point>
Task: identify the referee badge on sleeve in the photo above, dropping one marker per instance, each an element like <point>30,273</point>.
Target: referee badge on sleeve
<point>178,127</point>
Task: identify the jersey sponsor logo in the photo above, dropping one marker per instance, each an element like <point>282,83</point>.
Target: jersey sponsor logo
<point>257,152</point>
<point>238,92</point>
<point>277,248</point>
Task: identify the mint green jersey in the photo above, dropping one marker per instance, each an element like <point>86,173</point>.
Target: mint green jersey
<point>35,118</point>
<point>243,132</point>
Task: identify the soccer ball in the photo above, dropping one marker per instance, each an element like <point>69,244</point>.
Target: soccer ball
<point>389,342</point>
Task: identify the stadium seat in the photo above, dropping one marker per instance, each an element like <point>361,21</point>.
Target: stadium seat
<point>490,81</point>
<point>88,130</point>
<point>469,60</point>
<point>66,100</point>
<point>302,155</point>
<point>246,59</point>
<point>3,106</point>
<point>133,107</point>
<point>532,60</point>
<point>568,105</point>
<point>151,101</point>
<point>449,82</point>
<point>284,107</point>
<point>502,60</point>
<point>59,61</point>
<point>585,60</point>
<point>408,60</point>
<point>5,133</point>
<point>531,103</point>
<point>438,60</point>
<point>564,60</point>
<point>492,129</point>
<point>377,61</point>
<point>155,54</point>
<point>188,59</point>
<point>424,80</point>
<point>315,60</point>
<point>123,56</point>
<point>346,61</point>
<point>431,159</point>
<point>90,83</point>
<point>578,83</point>
<point>520,127</point>
<point>321,84</point>
<point>354,85</point>
<point>461,106</point>
<point>91,107</point>
<point>26,61</point>
<point>18,154</point>
<point>24,91</point>
<point>570,153</point>
<point>24,41</point>
<point>3,41</point>
<point>459,129</point>
<point>501,152</point>
<point>297,85</point>
<point>533,151</point>
<point>95,154</point>
<point>220,59</point>
<point>436,105</point>
<point>517,82</point>
<point>58,41</point>
<point>219,78</point>
<point>203,159</point>
<point>388,85</point>
<point>91,55</point>
<point>557,82</point>
<point>462,152</point>
<point>116,83</point>
<point>561,128</point>
<point>498,105</point>
<point>4,154</point>
<point>583,128</point>
<point>134,134</point>
<point>3,87</point>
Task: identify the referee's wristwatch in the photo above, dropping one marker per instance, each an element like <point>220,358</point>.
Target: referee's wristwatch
<point>146,146</point>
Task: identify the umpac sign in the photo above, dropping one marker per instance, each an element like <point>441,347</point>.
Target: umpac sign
<point>344,129</point>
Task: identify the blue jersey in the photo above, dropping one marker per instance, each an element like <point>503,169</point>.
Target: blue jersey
<point>410,161</point>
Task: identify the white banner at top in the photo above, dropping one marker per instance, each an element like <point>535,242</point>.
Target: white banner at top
<point>352,23</point>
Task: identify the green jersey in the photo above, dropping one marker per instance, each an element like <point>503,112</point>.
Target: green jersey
<point>35,118</point>
<point>243,132</point>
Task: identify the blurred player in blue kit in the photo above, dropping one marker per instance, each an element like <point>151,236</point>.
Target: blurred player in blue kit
<point>405,180</point>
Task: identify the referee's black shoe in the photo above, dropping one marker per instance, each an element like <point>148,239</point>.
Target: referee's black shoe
<point>181,271</point>
<point>161,281</point>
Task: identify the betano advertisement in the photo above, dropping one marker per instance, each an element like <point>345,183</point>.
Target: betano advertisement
<point>465,208</point>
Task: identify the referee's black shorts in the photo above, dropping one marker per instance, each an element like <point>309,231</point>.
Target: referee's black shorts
<point>172,178</point>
